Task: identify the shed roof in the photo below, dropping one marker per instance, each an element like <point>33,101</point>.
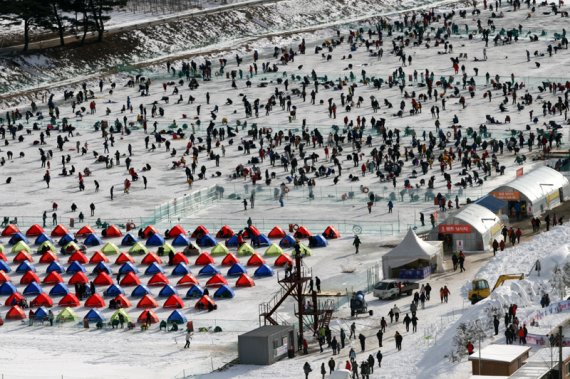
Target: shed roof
<point>267,330</point>
<point>479,217</point>
<point>532,185</point>
<point>500,353</point>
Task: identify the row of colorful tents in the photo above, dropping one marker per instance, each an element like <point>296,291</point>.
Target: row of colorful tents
<point>154,237</point>
<point>68,315</point>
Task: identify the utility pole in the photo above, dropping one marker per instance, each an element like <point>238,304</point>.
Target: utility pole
<point>300,304</point>
<point>560,376</point>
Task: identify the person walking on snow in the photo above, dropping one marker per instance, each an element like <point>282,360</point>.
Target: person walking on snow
<point>188,338</point>
<point>356,243</point>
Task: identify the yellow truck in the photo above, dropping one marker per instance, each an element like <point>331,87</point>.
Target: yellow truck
<point>480,287</point>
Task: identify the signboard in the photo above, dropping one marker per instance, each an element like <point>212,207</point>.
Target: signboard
<point>519,172</point>
<point>281,350</point>
<point>551,197</point>
<point>459,244</point>
<point>454,229</point>
<point>507,195</point>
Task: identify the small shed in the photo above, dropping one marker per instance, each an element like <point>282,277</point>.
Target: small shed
<point>473,228</point>
<point>413,258</point>
<point>534,193</point>
<point>267,344</point>
<point>499,359</point>
<point>544,363</point>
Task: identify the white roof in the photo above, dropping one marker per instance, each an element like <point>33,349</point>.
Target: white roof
<point>412,247</point>
<point>538,183</point>
<point>500,353</point>
<point>479,217</point>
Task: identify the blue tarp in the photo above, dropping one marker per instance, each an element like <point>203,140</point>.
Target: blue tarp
<point>491,203</point>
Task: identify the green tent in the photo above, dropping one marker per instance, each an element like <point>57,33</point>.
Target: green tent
<point>21,245</point>
<point>110,249</point>
<point>219,250</point>
<point>168,248</point>
<point>305,250</point>
<point>49,246</point>
<point>115,316</point>
<point>245,249</point>
<point>66,315</point>
<point>2,249</point>
<point>72,246</point>
<point>138,249</point>
<point>273,250</point>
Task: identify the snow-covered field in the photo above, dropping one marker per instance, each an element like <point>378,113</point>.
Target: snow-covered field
<point>74,352</point>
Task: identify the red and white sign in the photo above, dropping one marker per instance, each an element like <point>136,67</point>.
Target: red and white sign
<point>520,171</point>
<point>454,229</point>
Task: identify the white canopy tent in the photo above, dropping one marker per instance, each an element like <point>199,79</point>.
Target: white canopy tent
<point>411,249</point>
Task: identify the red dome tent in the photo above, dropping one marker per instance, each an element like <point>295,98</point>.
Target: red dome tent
<point>147,302</point>
<point>331,233</point>
<point>225,232</point>
<point>205,303</point>
<point>158,279</point>
<point>175,231</point>
<point>253,231</point>
<point>276,232</point>
<point>146,315</point>
<point>151,258</point>
<point>103,279</point>
<point>59,231</point>
<point>78,278</point>
<point>124,258</point>
<point>149,231</point>
<point>98,257</point>
<point>95,301</point>
<point>130,279</point>
<point>10,230</point>
<point>179,258</point>
<point>173,302</point>
<point>34,230</point>
<point>245,281</point>
<point>42,300</point>
<point>187,281</point>
<point>204,259</point>
<point>3,257</point>
<point>255,260</point>
<point>229,260</point>
<point>216,281</point>
<point>15,313</point>
<point>4,277</point>
<point>112,231</point>
<point>48,257</point>
<point>53,278</point>
<point>123,301</point>
<point>199,231</point>
<point>303,232</point>
<point>283,260</point>
<point>85,231</point>
<point>23,256</point>
<point>14,299</point>
<point>69,300</point>
<point>78,256</point>
<point>29,277</point>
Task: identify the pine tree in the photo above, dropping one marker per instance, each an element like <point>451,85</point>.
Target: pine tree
<point>28,12</point>
<point>99,10</point>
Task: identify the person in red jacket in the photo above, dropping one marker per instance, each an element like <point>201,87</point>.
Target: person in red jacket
<point>470,348</point>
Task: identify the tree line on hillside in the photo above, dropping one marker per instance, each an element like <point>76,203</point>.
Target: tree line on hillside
<point>58,15</point>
